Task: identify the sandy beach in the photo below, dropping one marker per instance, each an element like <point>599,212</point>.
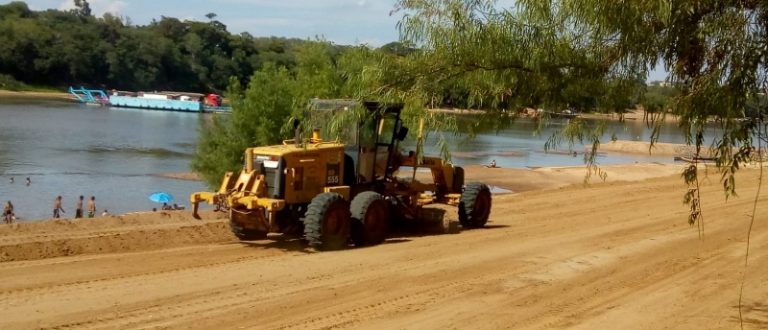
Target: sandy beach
<point>560,254</point>
<point>36,95</point>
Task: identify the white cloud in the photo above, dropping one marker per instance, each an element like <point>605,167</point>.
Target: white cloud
<point>99,7</point>
<point>67,5</point>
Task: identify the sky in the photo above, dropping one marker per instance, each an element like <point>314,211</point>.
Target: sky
<point>344,22</point>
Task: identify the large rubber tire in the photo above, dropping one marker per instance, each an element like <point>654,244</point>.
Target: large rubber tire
<point>246,234</point>
<point>327,222</point>
<point>370,218</point>
<point>475,205</point>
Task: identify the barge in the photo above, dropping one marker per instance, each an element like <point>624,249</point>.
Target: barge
<point>166,101</point>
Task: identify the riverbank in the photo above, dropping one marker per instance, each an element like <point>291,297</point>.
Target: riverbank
<point>615,254</point>
<point>637,114</point>
<point>37,96</point>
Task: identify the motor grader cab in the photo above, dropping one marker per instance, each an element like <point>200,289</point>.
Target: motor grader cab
<point>333,194</point>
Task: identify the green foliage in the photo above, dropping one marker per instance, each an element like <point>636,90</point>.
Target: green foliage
<point>8,83</point>
<point>658,97</point>
<point>218,151</point>
<point>597,52</point>
<point>505,59</point>
<point>72,47</point>
<point>261,111</point>
<point>257,115</point>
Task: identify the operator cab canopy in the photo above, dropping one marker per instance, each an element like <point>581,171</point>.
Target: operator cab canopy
<point>376,121</point>
<point>370,132</point>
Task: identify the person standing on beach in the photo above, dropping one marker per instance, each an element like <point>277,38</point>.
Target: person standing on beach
<point>79,208</point>
<point>57,208</point>
<point>92,207</point>
<point>8,213</point>
<point>29,182</point>
<point>11,179</point>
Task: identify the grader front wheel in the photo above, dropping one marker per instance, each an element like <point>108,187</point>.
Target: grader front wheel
<point>327,221</point>
<point>475,205</point>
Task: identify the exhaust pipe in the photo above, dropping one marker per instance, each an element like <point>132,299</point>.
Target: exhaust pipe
<point>297,132</point>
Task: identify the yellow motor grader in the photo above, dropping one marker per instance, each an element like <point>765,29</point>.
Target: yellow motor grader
<point>334,194</point>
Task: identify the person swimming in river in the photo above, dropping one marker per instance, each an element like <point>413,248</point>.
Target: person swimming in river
<point>492,164</point>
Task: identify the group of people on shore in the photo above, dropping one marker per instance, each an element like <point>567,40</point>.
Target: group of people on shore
<point>9,215</point>
<point>58,209</point>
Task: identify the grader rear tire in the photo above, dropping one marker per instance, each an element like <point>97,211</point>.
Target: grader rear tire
<point>370,218</point>
<point>327,222</point>
<point>475,205</point>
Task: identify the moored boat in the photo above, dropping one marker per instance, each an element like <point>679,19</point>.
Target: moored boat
<point>186,102</point>
<point>165,100</point>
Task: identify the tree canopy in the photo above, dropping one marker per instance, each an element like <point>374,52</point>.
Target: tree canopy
<point>72,47</point>
<point>552,52</point>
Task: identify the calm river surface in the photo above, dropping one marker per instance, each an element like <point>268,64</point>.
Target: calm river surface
<point>70,150</point>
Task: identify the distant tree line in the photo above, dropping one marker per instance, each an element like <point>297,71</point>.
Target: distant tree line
<point>72,47</point>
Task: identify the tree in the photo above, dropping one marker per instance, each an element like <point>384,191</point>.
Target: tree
<point>715,51</point>
<point>71,47</point>
<point>261,111</point>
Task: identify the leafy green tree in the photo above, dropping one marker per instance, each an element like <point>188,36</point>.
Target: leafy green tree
<point>15,9</point>
<point>258,113</point>
<point>261,111</point>
<point>66,47</point>
<point>715,52</point>
<point>316,72</point>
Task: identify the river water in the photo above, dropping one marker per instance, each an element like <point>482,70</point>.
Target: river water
<point>70,150</point>
<point>114,154</point>
<point>521,145</point>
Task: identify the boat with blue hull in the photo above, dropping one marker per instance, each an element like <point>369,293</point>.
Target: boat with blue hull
<point>165,101</point>
<point>154,101</point>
